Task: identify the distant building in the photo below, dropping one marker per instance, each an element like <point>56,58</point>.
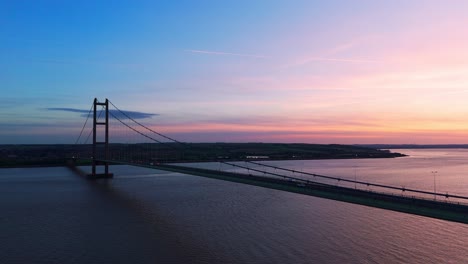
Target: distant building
<point>257,157</point>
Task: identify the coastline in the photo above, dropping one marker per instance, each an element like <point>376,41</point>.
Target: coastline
<point>32,156</point>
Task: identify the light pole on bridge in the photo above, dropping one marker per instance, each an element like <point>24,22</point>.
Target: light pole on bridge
<point>434,174</point>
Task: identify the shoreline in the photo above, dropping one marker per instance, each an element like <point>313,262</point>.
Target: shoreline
<point>33,156</point>
<point>31,166</point>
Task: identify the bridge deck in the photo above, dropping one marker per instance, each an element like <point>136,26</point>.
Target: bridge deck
<point>454,212</point>
<point>418,206</point>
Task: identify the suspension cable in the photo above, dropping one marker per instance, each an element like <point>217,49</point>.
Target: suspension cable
<point>166,137</point>
<point>123,123</point>
<point>91,132</point>
<point>82,129</point>
<point>360,182</point>
<point>271,173</point>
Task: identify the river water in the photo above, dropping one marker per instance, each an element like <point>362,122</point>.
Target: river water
<point>50,215</point>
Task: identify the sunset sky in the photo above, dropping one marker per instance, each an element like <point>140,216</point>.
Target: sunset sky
<point>348,72</point>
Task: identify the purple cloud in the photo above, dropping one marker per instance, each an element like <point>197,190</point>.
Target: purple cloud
<point>116,113</point>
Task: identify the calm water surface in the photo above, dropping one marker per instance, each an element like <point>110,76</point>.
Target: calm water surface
<point>49,215</point>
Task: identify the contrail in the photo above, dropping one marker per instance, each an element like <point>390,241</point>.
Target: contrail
<point>227,53</point>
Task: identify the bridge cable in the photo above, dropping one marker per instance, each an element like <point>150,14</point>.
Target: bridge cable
<point>123,123</point>
<point>82,129</point>
<point>274,174</point>
<point>166,137</point>
<point>365,183</point>
<point>91,132</point>
<point>278,175</point>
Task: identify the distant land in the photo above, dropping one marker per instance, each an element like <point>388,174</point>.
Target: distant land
<point>57,155</point>
<point>412,146</point>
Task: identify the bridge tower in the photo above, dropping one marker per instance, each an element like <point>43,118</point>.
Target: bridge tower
<point>102,158</point>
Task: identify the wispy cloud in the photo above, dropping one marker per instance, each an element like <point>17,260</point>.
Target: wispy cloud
<point>329,59</point>
<point>84,113</point>
<point>339,53</point>
<point>342,60</point>
<point>227,54</point>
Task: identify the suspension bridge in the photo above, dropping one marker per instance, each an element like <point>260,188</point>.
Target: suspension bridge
<point>135,144</point>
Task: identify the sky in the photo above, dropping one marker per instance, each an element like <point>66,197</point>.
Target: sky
<point>347,72</point>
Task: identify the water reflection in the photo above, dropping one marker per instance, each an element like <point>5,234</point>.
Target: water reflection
<point>51,216</point>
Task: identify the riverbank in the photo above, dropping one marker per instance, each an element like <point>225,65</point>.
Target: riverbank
<point>57,155</point>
